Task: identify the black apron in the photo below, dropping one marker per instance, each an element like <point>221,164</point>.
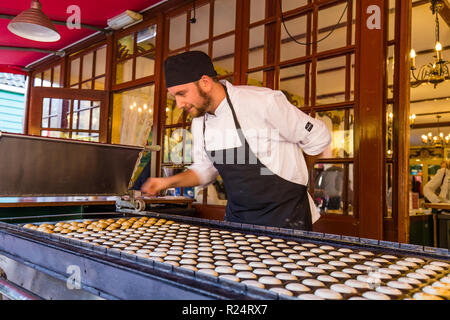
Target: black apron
<point>255,198</point>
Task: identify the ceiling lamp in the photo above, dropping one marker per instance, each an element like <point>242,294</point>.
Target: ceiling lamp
<point>438,141</point>
<point>437,71</point>
<point>33,24</point>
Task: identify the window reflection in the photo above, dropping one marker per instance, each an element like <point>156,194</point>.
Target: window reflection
<point>133,116</point>
<point>341,125</point>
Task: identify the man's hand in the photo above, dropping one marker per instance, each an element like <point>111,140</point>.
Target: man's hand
<point>154,185</point>
<point>187,178</point>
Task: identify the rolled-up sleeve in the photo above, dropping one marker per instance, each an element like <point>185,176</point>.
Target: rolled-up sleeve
<point>312,135</point>
<point>202,165</point>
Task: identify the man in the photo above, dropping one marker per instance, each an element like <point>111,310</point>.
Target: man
<point>253,137</point>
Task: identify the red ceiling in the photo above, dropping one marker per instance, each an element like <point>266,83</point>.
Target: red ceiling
<point>93,12</point>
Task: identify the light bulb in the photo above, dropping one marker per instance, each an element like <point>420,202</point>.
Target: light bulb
<point>438,46</point>
<point>167,109</point>
<point>139,109</point>
<point>145,106</point>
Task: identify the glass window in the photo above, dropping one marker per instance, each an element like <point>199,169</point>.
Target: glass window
<point>100,61</point>
<point>200,29</point>
<point>224,16</point>
<point>223,55</point>
<point>75,71</point>
<point>47,81</point>
<point>133,116</point>
<point>255,79</point>
<point>389,130</point>
<point>292,4</point>
<point>341,125</point>
<point>146,39</point>
<point>328,187</point>
<point>99,83</point>
<point>292,83</point>
<point>327,19</point>
<point>330,83</point>
<point>125,47</point>
<point>56,76</point>
<point>145,65</point>
<point>297,29</point>
<point>177,32</point>
<point>174,115</point>
<point>38,79</point>
<point>257,10</point>
<point>88,60</point>
<point>256,47</point>
<point>124,71</point>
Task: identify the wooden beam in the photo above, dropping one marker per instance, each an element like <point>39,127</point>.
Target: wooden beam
<point>400,205</point>
<point>369,120</point>
<point>430,125</point>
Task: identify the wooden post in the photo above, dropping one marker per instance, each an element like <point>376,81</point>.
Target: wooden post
<point>401,117</point>
<point>371,117</point>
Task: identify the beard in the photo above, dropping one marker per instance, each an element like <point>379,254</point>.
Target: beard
<point>200,111</point>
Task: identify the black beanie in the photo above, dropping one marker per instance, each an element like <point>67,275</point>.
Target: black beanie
<point>187,67</point>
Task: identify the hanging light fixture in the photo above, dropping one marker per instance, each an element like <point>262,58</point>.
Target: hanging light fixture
<point>439,140</point>
<point>433,72</point>
<point>33,24</point>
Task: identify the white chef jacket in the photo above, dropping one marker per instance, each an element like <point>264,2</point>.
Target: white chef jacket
<point>441,179</point>
<point>276,131</point>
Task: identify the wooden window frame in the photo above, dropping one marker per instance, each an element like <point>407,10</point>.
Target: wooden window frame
<point>81,55</point>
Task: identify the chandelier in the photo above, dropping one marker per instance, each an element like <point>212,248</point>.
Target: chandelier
<point>436,141</point>
<point>433,72</point>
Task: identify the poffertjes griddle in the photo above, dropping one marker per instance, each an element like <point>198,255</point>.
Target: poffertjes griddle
<point>260,262</point>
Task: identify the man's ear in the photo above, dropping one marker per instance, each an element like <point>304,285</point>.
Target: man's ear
<point>205,83</point>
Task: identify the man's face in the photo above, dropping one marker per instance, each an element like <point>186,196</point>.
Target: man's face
<point>191,98</point>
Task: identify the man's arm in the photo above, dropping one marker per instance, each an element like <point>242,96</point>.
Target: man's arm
<point>295,126</point>
<point>185,179</point>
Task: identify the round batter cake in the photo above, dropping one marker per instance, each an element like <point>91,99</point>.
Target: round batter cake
<point>340,275</point>
<point>313,283</point>
<point>301,274</point>
<point>286,277</point>
<point>328,294</point>
<point>327,279</point>
<point>374,295</point>
<point>393,292</point>
<point>357,284</point>
<point>229,277</point>
<point>263,272</point>
<point>297,287</point>
<point>308,296</point>
<point>246,275</point>
<point>253,283</point>
<point>282,291</point>
<point>267,280</point>
<point>343,289</point>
